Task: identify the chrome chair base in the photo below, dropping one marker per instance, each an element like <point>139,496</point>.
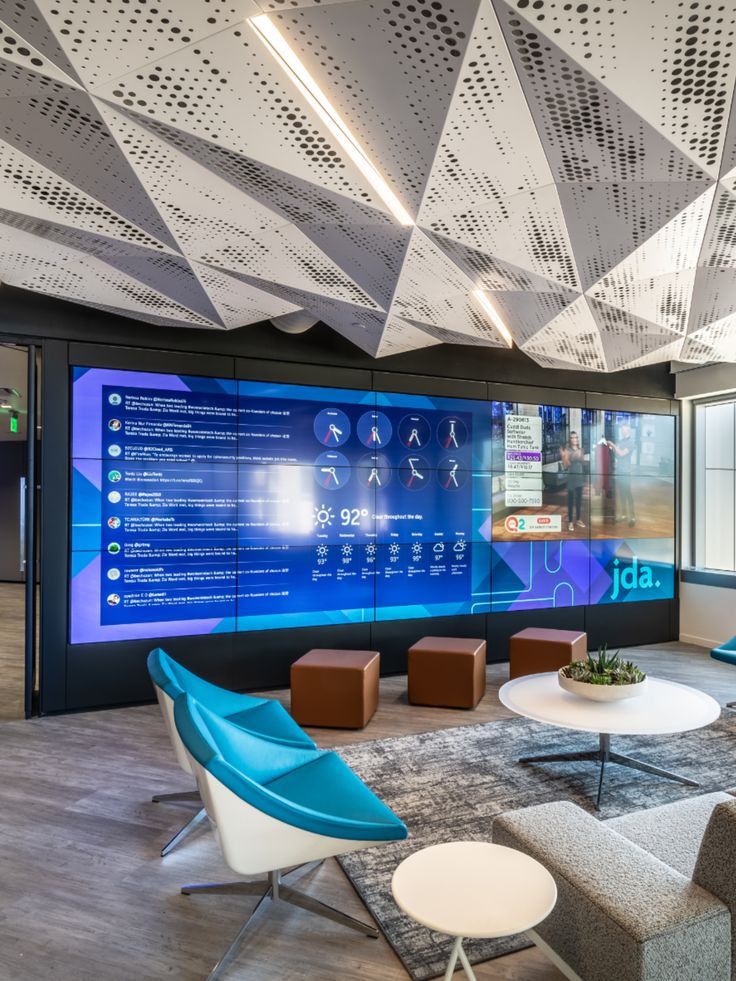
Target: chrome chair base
<point>272,890</point>
<point>184,832</point>
<point>185,797</point>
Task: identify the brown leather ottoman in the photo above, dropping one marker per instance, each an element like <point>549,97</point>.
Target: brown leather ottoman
<point>447,671</point>
<point>538,649</point>
<point>337,689</point>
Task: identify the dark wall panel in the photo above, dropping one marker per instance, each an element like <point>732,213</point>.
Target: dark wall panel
<point>115,674</point>
<point>393,638</point>
<point>630,624</point>
<point>54,478</point>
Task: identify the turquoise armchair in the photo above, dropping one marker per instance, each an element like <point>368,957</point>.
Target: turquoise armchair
<point>276,805</point>
<point>263,716</point>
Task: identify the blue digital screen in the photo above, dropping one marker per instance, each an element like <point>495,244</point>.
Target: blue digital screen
<point>204,505</point>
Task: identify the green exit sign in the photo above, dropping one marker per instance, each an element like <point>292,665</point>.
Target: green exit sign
<point>14,422</point>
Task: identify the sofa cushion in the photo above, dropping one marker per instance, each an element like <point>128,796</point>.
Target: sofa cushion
<point>672,832</point>
<point>621,914</point>
<point>715,869</point>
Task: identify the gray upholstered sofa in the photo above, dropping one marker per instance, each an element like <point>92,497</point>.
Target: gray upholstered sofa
<point>645,897</point>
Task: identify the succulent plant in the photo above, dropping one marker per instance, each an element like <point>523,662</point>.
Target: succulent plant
<point>604,669</point>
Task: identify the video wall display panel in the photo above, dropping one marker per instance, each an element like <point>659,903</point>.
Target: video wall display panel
<point>205,505</point>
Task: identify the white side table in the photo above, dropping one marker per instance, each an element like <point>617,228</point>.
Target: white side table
<point>473,889</point>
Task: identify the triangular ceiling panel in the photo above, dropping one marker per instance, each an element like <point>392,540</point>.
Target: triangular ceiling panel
<point>400,336</point>
<point>576,162</point>
<point>15,50</point>
<point>247,105</point>
<point>104,41</point>
<point>62,131</point>
<point>572,339</point>
<point>35,190</point>
<point>625,338</point>
<point>589,134</point>
<point>682,77</point>
<point>238,303</point>
<point>26,18</point>
<point>38,264</point>
<point>608,221</point>
<point>330,42</point>
<point>171,275</point>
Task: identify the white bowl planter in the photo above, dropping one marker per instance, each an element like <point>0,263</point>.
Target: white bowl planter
<point>601,693</point>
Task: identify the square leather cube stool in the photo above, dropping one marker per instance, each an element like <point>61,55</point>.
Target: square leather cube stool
<point>447,671</point>
<point>336,689</point>
<point>538,649</point>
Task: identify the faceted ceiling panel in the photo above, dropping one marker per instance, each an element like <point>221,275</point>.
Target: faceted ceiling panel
<point>378,165</point>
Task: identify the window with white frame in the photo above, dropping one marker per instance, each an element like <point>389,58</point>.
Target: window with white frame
<point>715,485</point>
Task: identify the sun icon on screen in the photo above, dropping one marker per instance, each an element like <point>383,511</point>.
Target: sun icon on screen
<point>323,516</point>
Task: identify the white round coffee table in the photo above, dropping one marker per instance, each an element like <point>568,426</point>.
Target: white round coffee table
<point>664,707</point>
<point>473,889</point>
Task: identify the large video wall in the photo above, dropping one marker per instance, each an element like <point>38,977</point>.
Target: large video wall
<point>204,505</point>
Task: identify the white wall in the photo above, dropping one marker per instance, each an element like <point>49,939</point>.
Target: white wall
<point>707,614</point>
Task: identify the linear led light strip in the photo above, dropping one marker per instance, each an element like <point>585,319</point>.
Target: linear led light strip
<point>290,61</point>
<point>279,48</point>
<point>493,315</point>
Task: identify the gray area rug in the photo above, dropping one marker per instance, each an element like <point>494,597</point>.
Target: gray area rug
<point>448,786</point>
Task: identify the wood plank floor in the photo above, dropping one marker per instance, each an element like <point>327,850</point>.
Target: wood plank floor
<point>11,650</point>
<point>84,895</point>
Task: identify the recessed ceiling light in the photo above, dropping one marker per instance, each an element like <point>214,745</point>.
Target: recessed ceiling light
<point>290,61</point>
<point>485,301</point>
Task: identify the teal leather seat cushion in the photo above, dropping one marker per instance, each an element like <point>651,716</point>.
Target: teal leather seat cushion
<point>309,789</point>
<point>271,719</point>
<point>173,678</point>
<point>258,758</point>
<point>329,785</point>
<point>263,716</point>
<point>726,652</point>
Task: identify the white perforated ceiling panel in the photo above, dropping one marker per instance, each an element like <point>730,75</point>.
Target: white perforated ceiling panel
<point>576,161</point>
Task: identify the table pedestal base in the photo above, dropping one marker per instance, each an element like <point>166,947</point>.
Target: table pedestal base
<point>603,755</point>
<point>457,951</point>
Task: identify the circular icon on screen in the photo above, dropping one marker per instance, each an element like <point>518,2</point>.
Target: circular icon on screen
<point>374,429</point>
<point>452,433</point>
<point>331,470</point>
<point>113,523</point>
<point>114,399</point>
<point>374,471</point>
<point>115,425</point>
<point>414,432</point>
<point>450,474</point>
<point>414,473</point>
<point>114,449</point>
<point>113,599</point>
<point>113,548</point>
<point>113,574</point>
<point>331,427</point>
<point>114,476</point>
<point>114,497</point>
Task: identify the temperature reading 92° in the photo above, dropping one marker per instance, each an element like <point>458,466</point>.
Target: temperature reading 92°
<point>352,516</point>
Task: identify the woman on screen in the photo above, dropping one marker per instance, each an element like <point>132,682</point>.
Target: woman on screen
<point>573,460</point>
<point>623,452</point>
